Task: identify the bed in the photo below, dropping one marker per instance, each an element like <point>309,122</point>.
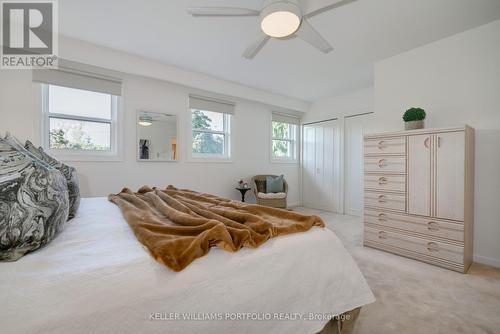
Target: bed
<point>95,277</point>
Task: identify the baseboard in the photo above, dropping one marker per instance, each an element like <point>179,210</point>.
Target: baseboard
<point>487,260</point>
<point>357,213</point>
<point>293,205</point>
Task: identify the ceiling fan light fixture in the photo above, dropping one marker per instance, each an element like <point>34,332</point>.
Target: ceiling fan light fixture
<point>145,120</point>
<point>280,19</point>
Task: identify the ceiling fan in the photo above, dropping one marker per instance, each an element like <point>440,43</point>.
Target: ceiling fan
<point>279,19</point>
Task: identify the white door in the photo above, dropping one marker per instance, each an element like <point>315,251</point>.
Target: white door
<point>419,174</point>
<point>450,171</point>
<point>354,128</point>
<point>309,165</point>
<point>321,166</point>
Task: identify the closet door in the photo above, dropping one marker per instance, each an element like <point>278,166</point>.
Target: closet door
<point>419,174</point>
<point>450,162</point>
<point>329,176</point>
<point>309,190</point>
<point>318,195</point>
<point>320,166</point>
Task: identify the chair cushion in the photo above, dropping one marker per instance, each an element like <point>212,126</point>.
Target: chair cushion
<point>68,172</point>
<point>271,195</point>
<point>274,184</point>
<point>34,202</point>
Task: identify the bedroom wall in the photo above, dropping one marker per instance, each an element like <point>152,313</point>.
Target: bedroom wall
<point>19,114</point>
<point>343,105</point>
<point>457,80</point>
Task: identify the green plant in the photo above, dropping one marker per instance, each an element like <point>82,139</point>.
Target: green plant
<point>414,114</point>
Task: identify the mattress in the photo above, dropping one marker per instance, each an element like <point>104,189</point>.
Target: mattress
<point>95,277</point>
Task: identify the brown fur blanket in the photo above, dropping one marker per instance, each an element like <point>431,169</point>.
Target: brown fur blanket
<point>178,226</point>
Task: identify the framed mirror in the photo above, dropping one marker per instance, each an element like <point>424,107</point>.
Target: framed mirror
<point>156,136</point>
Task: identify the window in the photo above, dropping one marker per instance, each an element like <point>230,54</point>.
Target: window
<point>210,129</point>
<point>284,133</point>
<point>79,121</point>
<point>80,113</point>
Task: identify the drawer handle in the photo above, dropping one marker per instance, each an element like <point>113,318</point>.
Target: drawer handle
<point>382,163</point>
<point>382,217</point>
<point>426,142</point>
<point>433,226</point>
<point>382,181</point>
<point>381,145</point>
<point>382,199</point>
<point>382,235</point>
<point>432,247</point>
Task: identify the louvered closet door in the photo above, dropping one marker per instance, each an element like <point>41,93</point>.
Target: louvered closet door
<point>450,159</point>
<point>309,166</point>
<point>326,178</point>
<point>321,166</point>
<point>419,174</point>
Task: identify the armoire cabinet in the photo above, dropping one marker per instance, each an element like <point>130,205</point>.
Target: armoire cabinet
<point>419,194</point>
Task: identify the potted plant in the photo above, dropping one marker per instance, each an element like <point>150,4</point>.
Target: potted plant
<point>414,118</point>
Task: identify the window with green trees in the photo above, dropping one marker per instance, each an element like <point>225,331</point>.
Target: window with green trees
<point>210,133</point>
<point>79,120</point>
<point>284,140</point>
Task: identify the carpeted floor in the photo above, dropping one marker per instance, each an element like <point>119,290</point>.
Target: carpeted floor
<point>414,297</point>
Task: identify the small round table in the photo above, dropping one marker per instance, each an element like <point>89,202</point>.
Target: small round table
<point>243,191</point>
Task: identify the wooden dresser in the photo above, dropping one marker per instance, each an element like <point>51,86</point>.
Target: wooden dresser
<point>419,195</point>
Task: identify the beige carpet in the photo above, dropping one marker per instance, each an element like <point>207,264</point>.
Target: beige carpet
<point>414,297</point>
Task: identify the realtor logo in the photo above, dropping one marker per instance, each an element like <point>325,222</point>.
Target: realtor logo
<point>29,34</point>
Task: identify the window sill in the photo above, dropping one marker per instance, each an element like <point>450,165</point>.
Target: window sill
<point>75,157</point>
<point>210,160</point>
<point>284,161</point>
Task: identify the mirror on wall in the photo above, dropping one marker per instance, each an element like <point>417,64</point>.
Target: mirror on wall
<point>156,136</point>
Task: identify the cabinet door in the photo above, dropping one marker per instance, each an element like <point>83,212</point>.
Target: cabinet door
<point>450,170</point>
<point>419,175</point>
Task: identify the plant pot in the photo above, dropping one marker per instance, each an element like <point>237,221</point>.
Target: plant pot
<point>414,125</point>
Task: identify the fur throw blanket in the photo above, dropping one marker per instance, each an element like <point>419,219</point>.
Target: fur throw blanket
<point>179,226</point>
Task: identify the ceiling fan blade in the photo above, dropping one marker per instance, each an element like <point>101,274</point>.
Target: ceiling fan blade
<point>222,11</point>
<point>311,36</point>
<point>315,7</point>
<point>256,46</point>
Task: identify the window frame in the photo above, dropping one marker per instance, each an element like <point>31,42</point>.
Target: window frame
<point>209,157</point>
<point>113,154</point>
<point>293,141</point>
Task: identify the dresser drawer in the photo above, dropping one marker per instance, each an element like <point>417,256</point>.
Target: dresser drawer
<point>386,182</point>
<point>385,200</point>
<point>426,226</point>
<point>395,145</point>
<point>435,249</point>
<point>385,164</point>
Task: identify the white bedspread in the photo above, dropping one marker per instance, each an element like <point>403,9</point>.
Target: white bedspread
<point>96,278</point>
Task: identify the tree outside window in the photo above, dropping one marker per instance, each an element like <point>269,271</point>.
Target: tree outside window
<point>284,140</point>
<point>209,133</point>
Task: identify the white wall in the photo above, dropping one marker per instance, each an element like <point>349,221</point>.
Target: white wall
<point>343,105</point>
<point>87,53</point>
<point>19,114</point>
<point>457,80</point>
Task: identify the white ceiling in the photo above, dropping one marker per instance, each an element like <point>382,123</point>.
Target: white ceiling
<point>361,33</point>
